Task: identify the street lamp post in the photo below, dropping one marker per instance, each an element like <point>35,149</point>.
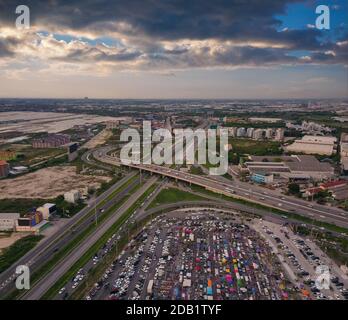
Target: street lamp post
<point>95,210</point>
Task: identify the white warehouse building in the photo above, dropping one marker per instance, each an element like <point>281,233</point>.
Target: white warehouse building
<point>8,221</point>
<point>314,145</point>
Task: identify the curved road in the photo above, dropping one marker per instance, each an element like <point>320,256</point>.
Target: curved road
<point>240,190</point>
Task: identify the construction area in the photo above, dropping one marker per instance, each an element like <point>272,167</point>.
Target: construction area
<point>48,183</point>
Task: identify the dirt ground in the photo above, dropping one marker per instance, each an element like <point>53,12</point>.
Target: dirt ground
<point>48,183</point>
<point>7,239</point>
<point>52,122</point>
<point>99,139</point>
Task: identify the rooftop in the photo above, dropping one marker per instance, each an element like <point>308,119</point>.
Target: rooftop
<point>332,184</point>
<point>295,163</point>
<point>308,163</point>
<point>9,215</point>
<point>319,139</point>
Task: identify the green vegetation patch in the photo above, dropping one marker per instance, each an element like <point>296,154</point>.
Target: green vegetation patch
<point>11,254</point>
<point>21,206</point>
<point>196,170</point>
<point>173,195</point>
<point>255,147</point>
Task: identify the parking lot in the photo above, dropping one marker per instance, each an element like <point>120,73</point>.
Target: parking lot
<point>201,255</point>
<point>301,257</point>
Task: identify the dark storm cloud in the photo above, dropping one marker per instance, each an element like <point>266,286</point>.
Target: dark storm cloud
<point>171,19</point>
<point>4,51</point>
<point>234,56</point>
<point>6,47</point>
<point>96,55</point>
<point>146,24</point>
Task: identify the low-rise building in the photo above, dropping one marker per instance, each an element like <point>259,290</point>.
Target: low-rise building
<point>241,132</point>
<point>337,188</point>
<point>232,131</point>
<point>311,192</point>
<point>47,210</point>
<point>258,134</point>
<point>8,221</point>
<point>344,152</point>
<point>72,196</point>
<point>8,155</point>
<point>269,120</point>
<point>29,221</point>
<point>51,141</point>
<point>269,133</point>
<point>314,145</point>
<point>296,165</point>
<point>279,136</point>
<point>250,132</point>
<point>4,169</point>
<point>262,177</point>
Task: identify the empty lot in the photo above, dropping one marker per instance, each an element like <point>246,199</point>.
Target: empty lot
<point>47,183</point>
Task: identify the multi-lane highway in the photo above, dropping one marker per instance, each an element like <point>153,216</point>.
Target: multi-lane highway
<point>65,264</point>
<point>47,248</point>
<point>240,190</point>
<point>52,244</point>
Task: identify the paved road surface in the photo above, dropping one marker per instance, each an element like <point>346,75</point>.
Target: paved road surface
<point>61,268</point>
<point>244,191</point>
<point>40,253</point>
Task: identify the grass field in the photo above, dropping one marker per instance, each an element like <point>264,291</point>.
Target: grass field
<point>21,206</point>
<point>254,147</point>
<point>27,155</point>
<point>197,170</point>
<point>173,195</point>
<point>17,250</point>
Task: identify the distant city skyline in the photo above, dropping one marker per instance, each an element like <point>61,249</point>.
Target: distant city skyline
<point>170,50</point>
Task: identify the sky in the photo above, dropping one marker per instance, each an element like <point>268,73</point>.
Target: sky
<point>221,49</point>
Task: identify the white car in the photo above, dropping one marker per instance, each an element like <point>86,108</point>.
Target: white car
<point>74,285</point>
<point>62,290</point>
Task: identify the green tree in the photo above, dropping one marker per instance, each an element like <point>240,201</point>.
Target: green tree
<point>294,188</point>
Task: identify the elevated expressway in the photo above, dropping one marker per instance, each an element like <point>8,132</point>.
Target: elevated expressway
<point>239,190</point>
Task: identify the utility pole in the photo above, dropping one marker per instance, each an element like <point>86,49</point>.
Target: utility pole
<point>95,210</point>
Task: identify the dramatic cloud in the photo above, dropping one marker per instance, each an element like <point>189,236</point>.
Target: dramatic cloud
<point>160,36</point>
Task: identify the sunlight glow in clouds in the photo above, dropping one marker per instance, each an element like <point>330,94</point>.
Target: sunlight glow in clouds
<point>123,40</point>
